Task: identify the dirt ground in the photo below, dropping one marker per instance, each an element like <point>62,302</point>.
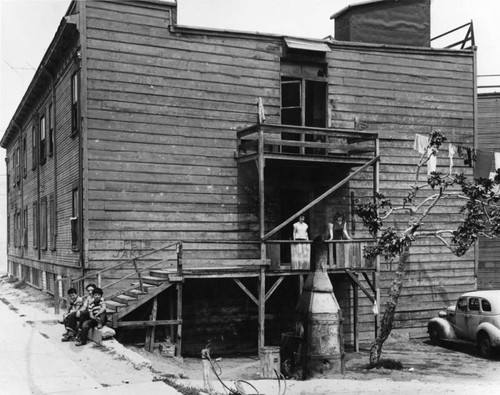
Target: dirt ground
<point>421,361</point>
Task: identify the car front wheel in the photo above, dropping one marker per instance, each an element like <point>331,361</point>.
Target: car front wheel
<point>484,345</point>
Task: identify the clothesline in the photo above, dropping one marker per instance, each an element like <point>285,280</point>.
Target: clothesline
<point>480,160</point>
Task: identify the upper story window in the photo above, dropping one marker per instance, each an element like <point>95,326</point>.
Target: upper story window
<point>75,103</point>
<point>303,102</point>
<point>33,148</point>
<point>50,124</point>
<point>25,157</point>
<point>43,139</point>
<point>16,171</point>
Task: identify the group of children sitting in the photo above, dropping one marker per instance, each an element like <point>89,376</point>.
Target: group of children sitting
<point>83,314</point>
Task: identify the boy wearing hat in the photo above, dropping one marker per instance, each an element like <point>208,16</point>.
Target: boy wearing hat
<point>97,316</point>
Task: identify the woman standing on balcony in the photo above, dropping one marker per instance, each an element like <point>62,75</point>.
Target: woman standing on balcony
<point>338,230</point>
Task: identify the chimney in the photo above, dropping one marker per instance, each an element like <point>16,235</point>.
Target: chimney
<point>390,22</point>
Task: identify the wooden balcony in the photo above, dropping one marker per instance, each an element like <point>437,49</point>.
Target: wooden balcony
<point>285,142</point>
<point>288,255</point>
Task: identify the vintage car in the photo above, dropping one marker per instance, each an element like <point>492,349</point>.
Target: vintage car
<point>474,319</point>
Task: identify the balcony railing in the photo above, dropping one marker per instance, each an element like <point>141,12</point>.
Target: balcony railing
<point>292,141</point>
<point>295,255</point>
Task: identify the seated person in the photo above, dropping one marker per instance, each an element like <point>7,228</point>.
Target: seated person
<point>82,314</point>
<point>97,317</point>
<point>69,317</point>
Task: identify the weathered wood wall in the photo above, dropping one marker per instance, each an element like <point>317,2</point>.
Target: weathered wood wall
<point>41,181</point>
<point>488,276</point>
<point>163,110</point>
<point>398,93</point>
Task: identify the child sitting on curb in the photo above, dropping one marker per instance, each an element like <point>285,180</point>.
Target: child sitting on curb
<point>97,317</point>
<point>70,319</point>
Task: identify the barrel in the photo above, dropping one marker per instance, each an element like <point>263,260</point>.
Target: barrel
<point>269,361</point>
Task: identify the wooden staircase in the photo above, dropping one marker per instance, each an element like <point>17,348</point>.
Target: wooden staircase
<point>141,286</point>
<point>122,303</point>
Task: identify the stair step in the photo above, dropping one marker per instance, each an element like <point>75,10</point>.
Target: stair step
<point>135,293</point>
<point>162,273</point>
<point>146,286</point>
<point>110,312</point>
<point>154,280</point>
<point>124,299</point>
<point>114,305</point>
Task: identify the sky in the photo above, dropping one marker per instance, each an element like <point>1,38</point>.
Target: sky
<point>28,26</point>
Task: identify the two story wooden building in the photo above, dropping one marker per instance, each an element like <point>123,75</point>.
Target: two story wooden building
<point>177,159</point>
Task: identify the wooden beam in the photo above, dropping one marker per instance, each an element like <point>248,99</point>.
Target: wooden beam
<point>145,324</point>
<point>150,332</point>
<point>275,285</point>
<point>355,313</point>
<point>178,349</point>
<point>245,289</point>
<point>372,286</point>
<point>320,198</point>
<point>262,308</point>
<point>355,280</point>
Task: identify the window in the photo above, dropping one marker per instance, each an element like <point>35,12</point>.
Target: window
<point>303,101</point>
<point>16,230</point>
<point>43,223</point>
<point>25,157</point>
<point>43,152</point>
<point>75,103</point>
<point>485,305</point>
<point>50,115</point>
<point>17,173</point>
<point>33,148</point>
<point>74,221</point>
<point>35,223</point>
<point>52,222</point>
<point>462,304</point>
<point>474,304</point>
<point>25,227</point>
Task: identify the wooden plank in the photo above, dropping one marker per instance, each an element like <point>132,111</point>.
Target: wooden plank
<point>245,289</point>
<point>150,332</point>
<point>145,324</point>
<point>274,287</point>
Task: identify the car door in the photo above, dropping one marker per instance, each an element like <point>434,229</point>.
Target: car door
<point>473,317</point>
<point>460,318</point>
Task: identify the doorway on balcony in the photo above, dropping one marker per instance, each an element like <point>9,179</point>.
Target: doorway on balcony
<point>303,101</point>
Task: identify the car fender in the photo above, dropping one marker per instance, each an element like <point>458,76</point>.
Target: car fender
<point>492,331</point>
<point>446,331</point>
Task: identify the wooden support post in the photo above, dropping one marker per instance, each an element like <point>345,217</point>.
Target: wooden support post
<point>171,315</point>
<point>178,350</point>
<point>99,280</point>
<point>150,332</point>
<point>262,307</point>
<point>355,318</point>
<point>138,274</point>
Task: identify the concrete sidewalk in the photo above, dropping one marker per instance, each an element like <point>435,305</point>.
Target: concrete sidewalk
<point>31,364</point>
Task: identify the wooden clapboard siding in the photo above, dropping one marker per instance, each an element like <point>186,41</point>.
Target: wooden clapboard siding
<point>173,103</point>
<point>398,94</point>
<point>488,139</point>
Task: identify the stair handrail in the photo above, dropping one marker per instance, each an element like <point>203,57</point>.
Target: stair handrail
<point>138,272</point>
<point>122,263</point>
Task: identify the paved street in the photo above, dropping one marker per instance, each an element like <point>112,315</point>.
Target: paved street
<point>31,364</point>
